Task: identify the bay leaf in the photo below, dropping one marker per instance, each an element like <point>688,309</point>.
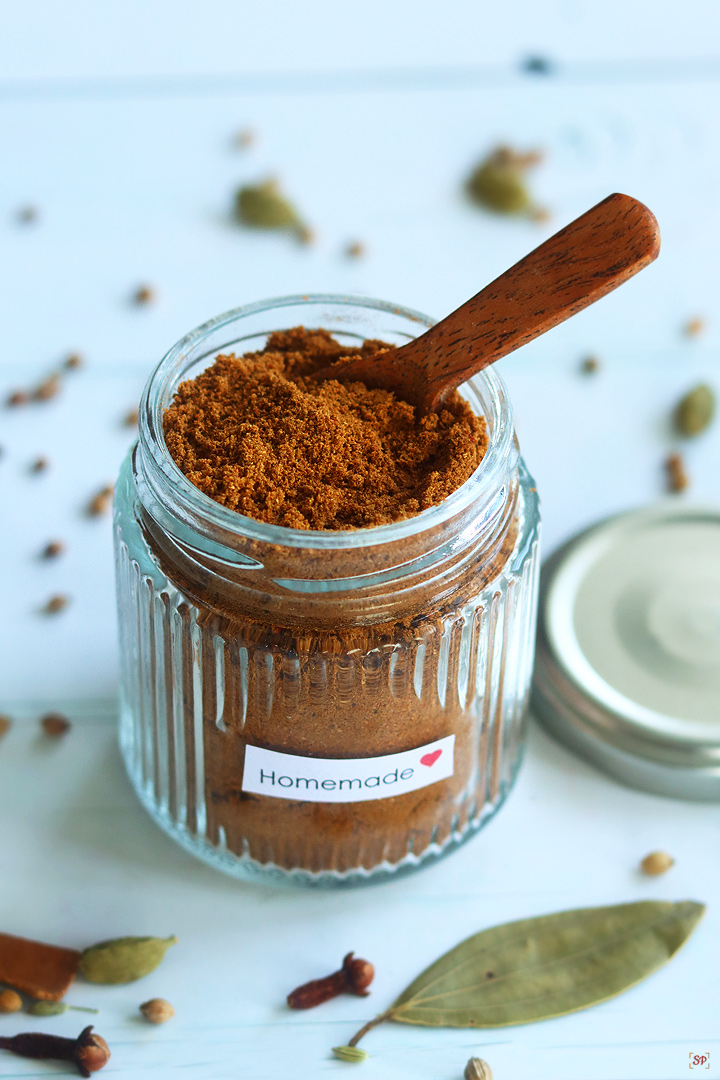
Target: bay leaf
<point>538,968</point>
<point>124,960</point>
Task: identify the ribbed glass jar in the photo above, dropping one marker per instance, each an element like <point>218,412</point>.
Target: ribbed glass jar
<point>334,649</point>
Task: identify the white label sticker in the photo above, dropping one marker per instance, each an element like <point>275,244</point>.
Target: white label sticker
<point>310,779</point>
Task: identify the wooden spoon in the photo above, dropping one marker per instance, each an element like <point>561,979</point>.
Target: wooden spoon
<point>587,259</point>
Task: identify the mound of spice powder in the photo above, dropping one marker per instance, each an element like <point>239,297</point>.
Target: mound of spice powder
<point>260,435</point>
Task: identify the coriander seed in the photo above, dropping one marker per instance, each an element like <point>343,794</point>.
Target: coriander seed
<point>355,250</point>
<point>694,327</point>
<point>53,549</point>
<point>47,389</point>
<point>244,138</point>
<point>656,863</point>
<point>305,235</point>
<point>74,361</point>
<point>677,478</point>
<point>56,603</point>
<point>55,725</point>
<point>17,397</point>
<point>39,465</point>
<point>5,724</point>
<point>10,1001</point>
<point>157,1011</point>
<point>100,503</point>
<point>146,294</point>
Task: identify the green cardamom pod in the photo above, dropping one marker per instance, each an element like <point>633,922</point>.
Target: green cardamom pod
<point>262,206</point>
<point>498,182</point>
<point>350,1053</point>
<point>477,1069</point>
<point>124,960</point>
<point>48,1008</point>
<point>695,411</point>
<point>500,188</point>
<point>57,1008</point>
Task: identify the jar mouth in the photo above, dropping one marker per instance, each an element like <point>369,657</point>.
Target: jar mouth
<point>486,393</point>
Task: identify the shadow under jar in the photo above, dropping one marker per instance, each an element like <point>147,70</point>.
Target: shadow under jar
<point>270,676</point>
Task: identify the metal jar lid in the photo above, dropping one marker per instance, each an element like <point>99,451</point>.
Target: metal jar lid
<point>628,661</point>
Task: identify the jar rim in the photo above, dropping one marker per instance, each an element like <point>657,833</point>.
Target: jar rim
<point>193,500</point>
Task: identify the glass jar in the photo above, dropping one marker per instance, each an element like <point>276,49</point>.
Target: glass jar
<point>322,706</point>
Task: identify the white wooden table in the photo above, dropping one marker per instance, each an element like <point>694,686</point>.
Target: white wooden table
<point>117,123</point>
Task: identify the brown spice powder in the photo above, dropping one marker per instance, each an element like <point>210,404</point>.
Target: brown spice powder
<point>260,435</point>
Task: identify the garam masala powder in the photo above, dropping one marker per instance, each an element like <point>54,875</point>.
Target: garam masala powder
<point>263,437</point>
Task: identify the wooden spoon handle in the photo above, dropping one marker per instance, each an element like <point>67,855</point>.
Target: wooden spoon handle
<point>587,259</point>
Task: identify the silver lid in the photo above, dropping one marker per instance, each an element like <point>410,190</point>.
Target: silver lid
<point>628,661</point>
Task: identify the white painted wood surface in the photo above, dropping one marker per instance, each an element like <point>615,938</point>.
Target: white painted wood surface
<point>117,122</point>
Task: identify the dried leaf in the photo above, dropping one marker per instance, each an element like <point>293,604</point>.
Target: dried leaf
<point>538,968</point>
<point>695,411</point>
<point>124,960</point>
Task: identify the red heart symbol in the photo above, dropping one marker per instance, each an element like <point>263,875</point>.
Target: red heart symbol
<point>430,759</point>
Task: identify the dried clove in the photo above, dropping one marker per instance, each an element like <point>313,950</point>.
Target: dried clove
<point>354,977</point>
<point>89,1053</point>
